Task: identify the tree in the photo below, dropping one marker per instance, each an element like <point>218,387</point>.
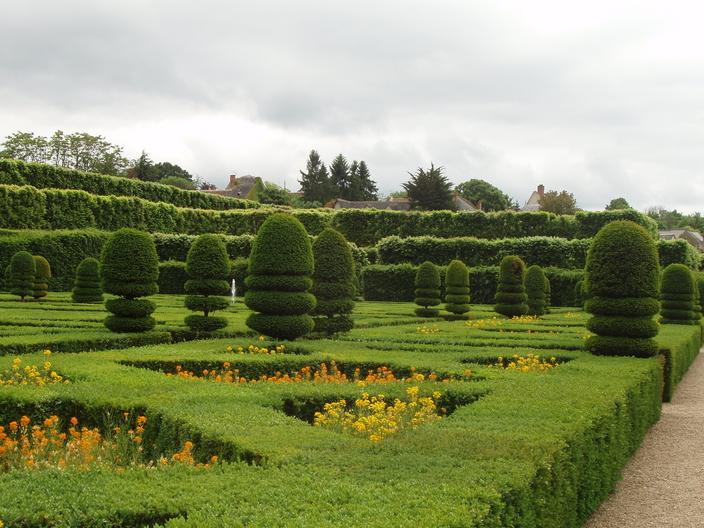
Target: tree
<point>274,195</point>
<point>40,285</point>
<point>129,268</point>
<point>480,191</point>
<point>427,290</point>
<point>340,177</point>
<point>142,169</point>
<point>315,182</point>
<point>368,188</point>
<point>164,169</point>
<point>279,280</point>
<point>622,276</point>
<point>510,292</point>
<point>22,270</point>
<point>429,189</point>
<point>535,290</point>
<point>178,182</point>
<point>558,203</point>
<point>208,268</point>
<point>457,288</point>
<point>617,203</point>
<point>86,286</point>
<point>677,295</point>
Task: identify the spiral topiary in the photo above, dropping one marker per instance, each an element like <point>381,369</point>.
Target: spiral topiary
<point>333,283</point>
<point>129,268</point>
<point>86,286</point>
<point>677,295</point>
<point>511,293</point>
<point>208,267</point>
<point>427,285</point>
<point>22,270</point>
<point>548,295</point>
<point>40,284</point>
<point>457,288</point>
<point>535,290</point>
<point>279,280</point>
<point>622,274</point>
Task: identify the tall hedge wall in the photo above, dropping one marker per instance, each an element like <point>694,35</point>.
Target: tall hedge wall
<point>43,176</point>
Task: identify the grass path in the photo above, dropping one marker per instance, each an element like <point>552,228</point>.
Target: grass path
<point>663,484</point>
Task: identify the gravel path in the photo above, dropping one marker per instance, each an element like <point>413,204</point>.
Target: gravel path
<point>663,485</point>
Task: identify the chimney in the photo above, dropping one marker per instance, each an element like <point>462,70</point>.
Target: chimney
<point>233,182</point>
<point>541,190</point>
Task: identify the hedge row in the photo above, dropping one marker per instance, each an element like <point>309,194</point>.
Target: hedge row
<point>395,283</point>
<point>43,176</point>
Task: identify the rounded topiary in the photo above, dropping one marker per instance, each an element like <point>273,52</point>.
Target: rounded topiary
<point>548,295</point>
<point>333,282</point>
<point>427,291</point>
<point>622,274</point>
<point>510,292</point>
<point>280,269</point>
<point>42,274</point>
<point>129,268</point>
<point>578,299</point>
<point>457,288</point>
<point>535,290</point>
<point>22,270</point>
<point>677,295</point>
<point>86,286</point>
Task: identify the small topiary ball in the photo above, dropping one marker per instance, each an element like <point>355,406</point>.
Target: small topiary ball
<point>457,288</point>
<point>427,291</point>
<point>535,290</point>
<point>40,285</point>
<point>22,270</point>
<point>510,292</point>
<point>677,295</point>
<point>86,286</point>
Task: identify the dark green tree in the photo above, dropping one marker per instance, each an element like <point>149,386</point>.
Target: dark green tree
<point>511,295</point>
<point>429,189</point>
<point>180,183</point>
<point>427,291</point>
<point>40,285</point>
<point>558,203</point>
<point>535,290</point>
<point>86,287</point>
<point>274,195</point>
<point>677,295</point>
<point>164,169</point>
<point>457,288</point>
<point>617,203</point>
<point>142,168</point>
<point>480,191</point>
<point>368,187</point>
<point>340,177</point>
<point>22,270</point>
<point>315,182</point>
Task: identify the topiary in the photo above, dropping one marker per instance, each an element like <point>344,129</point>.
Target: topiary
<point>510,292</point>
<point>279,279</point>
<point>333,283</point>
<point>86,286</point>
<point>700,287</point>
<point>535,290</point>
<point>7,278</point>
<point>622,274</point>
<point>22,270</point>
<point>129,268</point>
<point>457,288</point>
<point>208,267</point>
<point>548,294</point>
<point>40,284</point>
<point>677,295</point>
<point>578,299</point>
<point>427,291</point>
<point>697,301</point>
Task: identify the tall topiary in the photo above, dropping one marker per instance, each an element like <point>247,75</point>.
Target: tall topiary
<point>129,268</point>
<point>208,267</point>
<point>535,290</point>
<point>510,292</point>
<point>22,270</point>
<point>40,285</point>
<point>677,295</point>
<point>578,299</point>
<point>333,282</point>
<point>427,285</point>
<point>279,280</point>
<point>457,288</point>
<point>86,286</point>
<point>548,294</point>
<point>622,273</point>
<point>697,301</point>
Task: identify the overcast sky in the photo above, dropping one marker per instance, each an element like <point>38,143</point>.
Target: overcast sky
<point>602,98</point>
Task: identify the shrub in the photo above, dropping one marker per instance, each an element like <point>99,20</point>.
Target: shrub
<point>129,268</point>
<point>86,288</point>
<point>333,283</point>
<point>457,288</point>
<point>427,289</point>
<point>677,295</point>
<point>697,303</point>
<point>22,270</point>
<point>279,280</point>
<point>208,267</point>
<point>7,277</point>
<point>511,293</point>
<point>622,274</point>
<point>42,275</point>
<point>700,287</point>
<point>535,283</point>
<point>548,294</point>
<point>578,299</point>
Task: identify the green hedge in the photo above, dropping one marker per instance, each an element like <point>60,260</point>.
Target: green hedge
<point>43,176</point>
<point>680,346</point>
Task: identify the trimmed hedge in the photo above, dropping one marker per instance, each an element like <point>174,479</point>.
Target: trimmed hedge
<point>536,285</point>
<point>42,275</point>
<point>457,288</point>
<point>427,289</point>
<point>208,268</point>
<point>677,296</point>
<point>87,287</point>
<point>510,292</point>
<point>22,271</point>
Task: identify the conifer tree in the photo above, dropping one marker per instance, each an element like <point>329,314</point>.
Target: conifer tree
<point>368,187</point>
<point>340,177</point>
<point>315,182</point>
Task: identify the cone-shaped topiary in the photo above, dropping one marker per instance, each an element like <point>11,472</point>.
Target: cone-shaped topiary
<point>42,274</point>
<point>548,294</point>
<point>535,290</point>
<point>578,299</point>
<point>279,280</point>
<point>427,285</point>
<point>333,283</point>
<point>457,288</point>
<point>129,268</point>
<point>86,286</point>
<point>511,293</point>
<point>622,275</point>
<point>677,295</point>
<point>208,267</point>
<point>22,270</point>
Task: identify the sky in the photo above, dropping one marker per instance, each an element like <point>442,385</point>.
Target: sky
<point>601,98</point>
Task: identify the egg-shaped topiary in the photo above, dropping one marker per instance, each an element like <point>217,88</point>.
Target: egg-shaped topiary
<point>457,288</point>
<point>22,270</point>
<point>535,290</point>
<point>86,286</point>
<point>677,295</point>
<point>333,282</point>
<point>40,285</point>
<point>208,268</point>
<point>622,274</point>
<point>279,279</point>
<point>511,296</point>
<point>427,283</point>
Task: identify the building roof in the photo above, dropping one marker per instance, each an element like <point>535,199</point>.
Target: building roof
<point>533,202</point>
<point>669,234</point>
<point>237,187</point>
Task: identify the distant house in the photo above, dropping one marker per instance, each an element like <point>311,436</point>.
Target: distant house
<point>238,187</point>
<point>394,204</point>
<point>693,237</point>
<point>533,203</point>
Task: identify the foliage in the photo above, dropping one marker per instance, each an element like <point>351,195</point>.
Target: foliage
<point>457,288</point>
<point>315,181</point>
<point>179,183</point>
<point>87,286</point>
<point>617,203</point>
<point>208,267</point>
<point>548,294</point>
<point>578,298</point>
<point>427,289</point>
<point>429,189</point>
<point>479,191</point>
<point>558,203</point>
<point>535,284</point>
<point>666,219</point>
<point>42,275</point>
<point>274,195</point>
<point>677,295</point>
<point>22,271</point>
<point>510,292</point>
